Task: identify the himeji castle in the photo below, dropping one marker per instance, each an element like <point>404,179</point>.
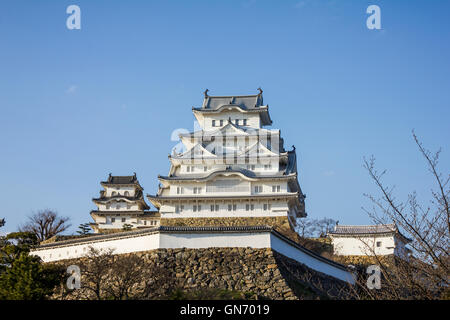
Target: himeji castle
<point>233,186</point>
<point>232,167</point>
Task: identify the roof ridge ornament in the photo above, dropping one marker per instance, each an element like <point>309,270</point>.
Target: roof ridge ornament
<point>206,93</point>
<point>260,91</point>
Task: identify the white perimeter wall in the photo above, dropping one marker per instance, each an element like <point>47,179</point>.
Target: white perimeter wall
<point>195,241</point>
<point>309,260</point>
<point>350,246</point>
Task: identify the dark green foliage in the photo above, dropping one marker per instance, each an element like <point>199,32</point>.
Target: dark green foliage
<point>127,227</point>
<point>23,276</point>
<point>85,228</point>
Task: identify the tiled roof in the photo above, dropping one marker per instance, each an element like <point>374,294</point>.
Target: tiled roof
<point>121,179</point>
<point>370,229</point>
<point>245,172</point>
<point>244,102</point>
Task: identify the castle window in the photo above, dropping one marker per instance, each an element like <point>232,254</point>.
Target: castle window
<point>124,219</point>
<point>179,209</point>
<point>113,220</point>
<point>276,188</point>
<point>214,123</point>
<point>180,190</point>
<point>221,122</point>
<point>145,223</point>
<point>236,122</point>
<point>244,122</point>
<point>197,208</point>
<point>267,166</point>
<point>197,190</point>
<point>127,193</point>
<point>258,189</point>
<point>378,243</point>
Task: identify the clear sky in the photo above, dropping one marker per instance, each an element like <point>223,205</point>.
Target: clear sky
<point>78,104</point>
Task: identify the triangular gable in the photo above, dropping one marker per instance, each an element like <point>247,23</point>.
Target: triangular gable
<point>196,151</point>
<point>257,149</point>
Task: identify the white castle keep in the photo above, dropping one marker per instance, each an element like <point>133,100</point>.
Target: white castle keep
<point>232,166</point>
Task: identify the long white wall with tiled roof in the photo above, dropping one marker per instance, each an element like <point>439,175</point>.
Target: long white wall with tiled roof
<point>194,239</point>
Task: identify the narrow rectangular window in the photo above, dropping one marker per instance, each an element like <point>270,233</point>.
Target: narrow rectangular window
<point>205,169</point>
<point>236,122</point>
<point>124,219</point>
<point>247,207</point>
<point>217,207</point>
<point>278,188</point>
<point>265,206</point>
<point>244,122</point>
<point>214,123</point>
<point>229,207</point>
<point>274,188</point>
<point>212,207</point>
<point>221,122</point>
<point>234,207</point>
<point>252,207</point>
<point>113,220</point>
<point>195,208</point>
<point>199,208</point>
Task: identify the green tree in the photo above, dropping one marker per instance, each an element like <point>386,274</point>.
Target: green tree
<point>127,227</point>
<point>23,276</point>
<point>85,228</point>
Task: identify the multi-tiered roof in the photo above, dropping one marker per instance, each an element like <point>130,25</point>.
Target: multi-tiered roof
<point>232,166</point>
<point>121,202</point>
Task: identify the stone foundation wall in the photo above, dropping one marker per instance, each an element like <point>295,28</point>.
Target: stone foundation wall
<point>260,273</point>
<point>281,224</point>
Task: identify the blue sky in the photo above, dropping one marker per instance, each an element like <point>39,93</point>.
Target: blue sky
<point>78,104</point>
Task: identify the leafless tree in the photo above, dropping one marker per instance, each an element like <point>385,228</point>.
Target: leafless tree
<point>306,227</point>
<point>45,224</point>
<point>105,275</point>
<point>425,273</point>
